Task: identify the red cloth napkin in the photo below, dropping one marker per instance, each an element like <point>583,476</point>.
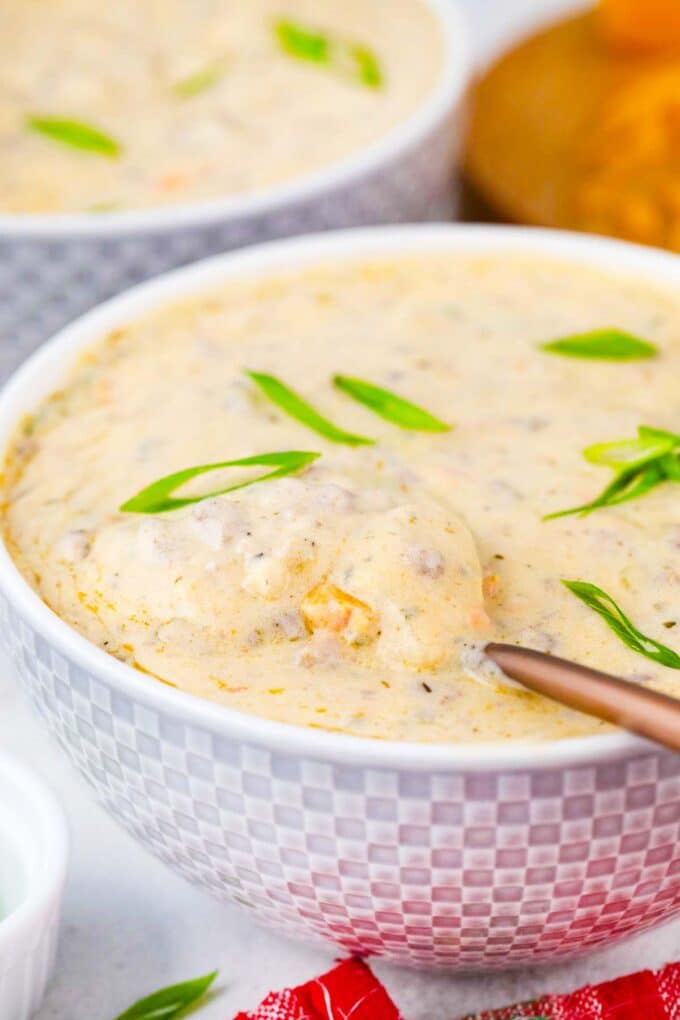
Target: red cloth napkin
<point>351,992</point>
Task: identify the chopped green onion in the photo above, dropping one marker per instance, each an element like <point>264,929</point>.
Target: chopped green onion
<point>625,487</point>
<point>602,344</point>
<point>640,464</point>
<point>201,81</point>
<point>76,134</point>
<point>157,498</point>
<point>303,43</point>
<point>348,57</point>
<point>171,1002</point>
<point>297,408</point>
<point>390,406</point>
<point>603,604</point>
<point>627,453</point>
<point>367,65</point>
<point>670,466</point>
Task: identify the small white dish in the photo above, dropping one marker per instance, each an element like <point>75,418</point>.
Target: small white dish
<point>33,856</point>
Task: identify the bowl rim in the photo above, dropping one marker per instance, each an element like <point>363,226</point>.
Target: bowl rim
<point>42,373</point>
<point>21,926</point>
<point>446,96</point>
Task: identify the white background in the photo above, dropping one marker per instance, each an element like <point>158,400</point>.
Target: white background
<point>131,926</point>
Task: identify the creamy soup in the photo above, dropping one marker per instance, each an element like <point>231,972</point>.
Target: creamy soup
<point>106,107</point>
<point>356,593</point>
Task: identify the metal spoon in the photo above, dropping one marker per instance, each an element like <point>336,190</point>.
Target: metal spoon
<point>635,708</point>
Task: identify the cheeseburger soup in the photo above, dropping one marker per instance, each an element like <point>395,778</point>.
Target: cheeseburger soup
<point>355,591</point>
<point>112,106</point>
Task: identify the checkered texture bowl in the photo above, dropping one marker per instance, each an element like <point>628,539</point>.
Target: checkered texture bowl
<point>53,268</point>
<point>473,856</point>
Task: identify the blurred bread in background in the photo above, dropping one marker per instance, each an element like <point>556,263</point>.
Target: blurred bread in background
<point>578,127</point>
<point>641,25</point>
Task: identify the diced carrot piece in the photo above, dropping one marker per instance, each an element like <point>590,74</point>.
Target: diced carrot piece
<point>491,586</point>
<point>171,182</point>
<point>478,618</point>
<point>327,607</point>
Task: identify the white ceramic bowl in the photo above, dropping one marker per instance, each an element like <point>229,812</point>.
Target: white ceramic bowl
<point>33,854</point>
<point>54,267</point>
<point>464,856</point>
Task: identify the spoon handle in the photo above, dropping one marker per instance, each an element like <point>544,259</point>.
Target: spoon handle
<point>638,709</point>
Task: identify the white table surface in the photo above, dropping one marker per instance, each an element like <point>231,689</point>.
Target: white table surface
<point>131,926</point>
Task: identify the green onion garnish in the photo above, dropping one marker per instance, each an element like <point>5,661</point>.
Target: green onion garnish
<point>600,602</point>
<point>169,1002</point>
<point>303,412</point>
<point>157,498</point>
<point>640,465</point>
<point>602,344</point>
<point>367,66</point>
<point>348,57</point>
<point>302,43</point>
<point>390,406</point>
<point>627,453</point>
<point>201,81</point>
<point>75,134</point>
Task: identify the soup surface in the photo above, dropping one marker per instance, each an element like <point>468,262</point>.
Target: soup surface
<point>356,593</point>
<point>107,107</point>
